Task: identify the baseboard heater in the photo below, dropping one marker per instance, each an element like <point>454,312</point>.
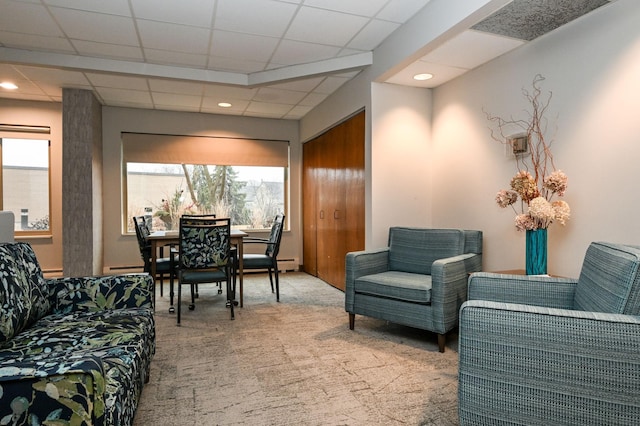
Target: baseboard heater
<point>284,265</point>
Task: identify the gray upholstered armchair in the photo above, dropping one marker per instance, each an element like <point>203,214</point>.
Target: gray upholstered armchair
<point>419,280</point>
<point>544,350</point>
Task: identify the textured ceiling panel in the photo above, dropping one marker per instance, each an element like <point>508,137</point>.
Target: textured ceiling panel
<point>529,19</point>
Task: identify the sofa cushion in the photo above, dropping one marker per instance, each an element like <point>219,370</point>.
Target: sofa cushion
<point>415,249</point>
<point>415,288</point>
<point>23,291</point>
<point>609,280</point>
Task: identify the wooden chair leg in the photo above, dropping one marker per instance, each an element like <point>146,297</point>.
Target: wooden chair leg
<point>352,321</point>
<point>442,340</point>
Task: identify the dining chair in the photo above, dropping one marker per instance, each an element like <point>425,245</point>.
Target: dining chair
<point>164,265</point>
<point>204,256</point>
<point>269,259</point>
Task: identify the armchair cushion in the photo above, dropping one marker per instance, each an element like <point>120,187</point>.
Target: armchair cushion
<point>413,288</point>
<point>609,280</point>
<point>415,249</point>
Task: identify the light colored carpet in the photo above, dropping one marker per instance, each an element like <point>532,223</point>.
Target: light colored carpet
<point>294,363</point>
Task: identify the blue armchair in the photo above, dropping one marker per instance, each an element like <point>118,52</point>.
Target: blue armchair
<point>544,350</point>
<point>419,280</point>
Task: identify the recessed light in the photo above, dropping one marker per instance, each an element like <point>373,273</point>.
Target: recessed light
<point>8,85</point>
<point>422,77</point>
<point>224,105</point>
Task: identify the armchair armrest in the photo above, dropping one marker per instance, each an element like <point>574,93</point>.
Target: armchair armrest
<point>67,387</point>
<point>98,293</point>
<point>550,292</point>
<point>361,263</point>
<point>449,278</point>
<point>556,366</point>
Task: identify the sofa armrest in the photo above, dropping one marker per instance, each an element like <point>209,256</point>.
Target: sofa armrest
<point>556,366</point>
<point>57,389</point>
<point>449,287</point>
<point>551,292</point>
<point>361,263</point>
<point>98,293</point>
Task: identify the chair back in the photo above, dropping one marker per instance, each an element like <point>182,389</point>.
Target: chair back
<point>142,233</point>
<point>415,249</point>
<point>609,280</point>
<point>204,242</point>
<point>273,247</point>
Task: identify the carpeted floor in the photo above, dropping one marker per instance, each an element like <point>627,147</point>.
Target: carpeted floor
<point>294,363</point>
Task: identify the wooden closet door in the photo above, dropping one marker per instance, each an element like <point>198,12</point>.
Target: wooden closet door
<point>333,199</point>
<point>310,178</point>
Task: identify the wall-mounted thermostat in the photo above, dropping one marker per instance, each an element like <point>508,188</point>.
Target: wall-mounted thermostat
<point>518,145</point>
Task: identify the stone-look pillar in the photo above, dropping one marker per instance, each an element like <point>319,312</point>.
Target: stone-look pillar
<point>81,183</point>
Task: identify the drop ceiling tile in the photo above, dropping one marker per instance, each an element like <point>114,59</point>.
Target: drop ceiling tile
<point>165,57</point>
<point>175,99</point>
<point>49,75</point>
<point>471,49</point>
<point>313,99</point>
<point>174,37</point>
<point>9,72</point>
<point>269,18</point>
<point>298,112</point>
<point>105,50</point>
<point>177,87</point>
<point>268,108</point>
<point>211,104</point>
<point>27,18</point>
<point>119,96</point>
<point>112,7</point>
<point>367,8</point>
<point>296,52</point>
<point>401,10</point>
<point>279,96</point>
<point>241,46</point>
<point>373,34</point>
<point>98,27</point>
<point>441,74</point>
<point>118,81</point>
<point>309,26</point>
<point>25,87</point>
<point>330,85</point>
<point>197,13</point>
<point>36,42</point>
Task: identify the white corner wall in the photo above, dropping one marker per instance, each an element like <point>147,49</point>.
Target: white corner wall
<point>400,159</point>
<point>592,66</point>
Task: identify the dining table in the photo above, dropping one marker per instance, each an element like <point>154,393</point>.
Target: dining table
<point>159,239</point>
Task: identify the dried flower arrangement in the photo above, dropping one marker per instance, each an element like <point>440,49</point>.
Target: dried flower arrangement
<point>537,181</point>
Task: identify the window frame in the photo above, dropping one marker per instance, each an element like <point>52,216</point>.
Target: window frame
<point>42,133</point>
<point>259,150</point>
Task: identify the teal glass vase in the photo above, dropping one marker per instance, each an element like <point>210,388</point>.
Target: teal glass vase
<point>536,252</point>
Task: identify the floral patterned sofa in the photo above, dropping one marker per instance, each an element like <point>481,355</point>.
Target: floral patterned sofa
<point>72,350</point>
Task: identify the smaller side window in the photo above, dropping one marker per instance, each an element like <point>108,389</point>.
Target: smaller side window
<point>25,183</point>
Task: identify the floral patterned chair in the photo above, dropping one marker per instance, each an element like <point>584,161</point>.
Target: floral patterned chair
<point>72,350</point>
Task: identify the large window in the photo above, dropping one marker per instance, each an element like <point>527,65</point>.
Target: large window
<point>168,176</point>
<point>25,183</point>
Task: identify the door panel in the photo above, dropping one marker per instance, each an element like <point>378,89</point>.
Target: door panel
<point>333,209</point>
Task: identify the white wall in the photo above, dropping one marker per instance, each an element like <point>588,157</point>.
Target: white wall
<point>592,66</point>
<point>400,159</point>
<point>122,250</point>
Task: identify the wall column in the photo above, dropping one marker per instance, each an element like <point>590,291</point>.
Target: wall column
<point>81,183</point>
